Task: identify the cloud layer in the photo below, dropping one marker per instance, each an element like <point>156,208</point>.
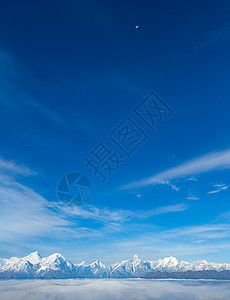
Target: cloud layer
<point>206,163</point>
<point>138,289</point>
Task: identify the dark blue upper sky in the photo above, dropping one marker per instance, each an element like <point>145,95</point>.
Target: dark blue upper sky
<point>70,71</point>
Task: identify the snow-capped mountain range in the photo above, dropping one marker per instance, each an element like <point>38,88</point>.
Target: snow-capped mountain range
<point>56,266</point>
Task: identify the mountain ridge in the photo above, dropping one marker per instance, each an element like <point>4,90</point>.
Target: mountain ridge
<point>57,266</point>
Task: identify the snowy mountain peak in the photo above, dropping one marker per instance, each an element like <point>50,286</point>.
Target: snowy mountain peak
<point>33,258</point>
<point>170,260</point>
<point>135,257</point>
<point>55,256</point>
<point>97,264</point>
<point>83,264</point>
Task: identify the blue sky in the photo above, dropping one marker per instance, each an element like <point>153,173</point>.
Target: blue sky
<point>70,72</point>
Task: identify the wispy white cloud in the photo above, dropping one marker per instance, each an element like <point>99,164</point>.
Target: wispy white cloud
<point>218,188</point>
<point>192,179</point>
<point>119,215</point>
<point>175,188</point>
<point>163,210</point>
<point>192,197</point>
<point>137,194</point>
<point>206,163</point>
<point>24,213</point>
<point>12,166</point>
<point>169,184</point>
<point>95,213</point>
<point>207,231</point>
